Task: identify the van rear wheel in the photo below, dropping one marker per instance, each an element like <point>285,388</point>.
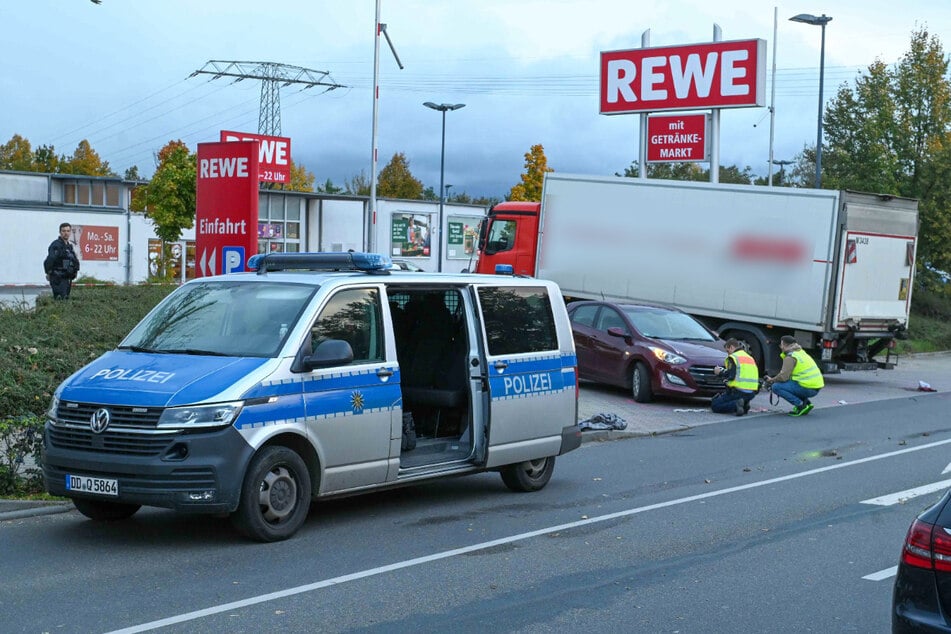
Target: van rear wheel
<point>531,475</point>
<point>275,496</point>
<point>103,511</point>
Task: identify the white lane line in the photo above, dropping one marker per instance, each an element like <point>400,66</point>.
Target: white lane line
<point>409,563</point>
<point>907,494</point>
<point>882,574</point>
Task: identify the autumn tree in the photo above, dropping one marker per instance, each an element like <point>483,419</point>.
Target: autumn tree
<point>890,133</point>
<point>16,154</point>
<point>396,181</point>
<point>536,165</point>
<point>301,179</point>
<point>132,174</point>
<point>689,171</point>
<point>85,160</point>
<point>169,198</point>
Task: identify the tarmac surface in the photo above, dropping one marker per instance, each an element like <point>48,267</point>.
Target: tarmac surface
<point>914,375</point>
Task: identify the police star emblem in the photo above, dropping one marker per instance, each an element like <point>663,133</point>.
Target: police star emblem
<point>356,402</point>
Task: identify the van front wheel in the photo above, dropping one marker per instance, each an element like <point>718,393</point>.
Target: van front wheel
<point>275,496</point>
<point>530,475</point>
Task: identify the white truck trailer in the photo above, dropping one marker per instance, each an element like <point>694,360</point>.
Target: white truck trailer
<point>832,268</point>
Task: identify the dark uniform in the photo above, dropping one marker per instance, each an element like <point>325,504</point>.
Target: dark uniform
<point>61,266</point>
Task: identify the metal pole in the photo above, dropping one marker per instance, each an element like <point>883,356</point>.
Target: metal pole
<point>715,126</point>
<point>376,106</point>
<point>442,191</point>
<point>642,147</point>
<point>772,99</point>
<point>822,67</point>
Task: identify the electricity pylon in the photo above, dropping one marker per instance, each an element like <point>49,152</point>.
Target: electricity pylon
<point>273,77</point>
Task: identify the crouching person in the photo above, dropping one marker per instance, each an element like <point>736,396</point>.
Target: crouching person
<point>742,381</point>
<point>799,379</point>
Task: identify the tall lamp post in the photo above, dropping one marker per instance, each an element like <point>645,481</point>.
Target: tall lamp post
<point>443,108</point>
<point>821,20</point>
<point>782,171</point>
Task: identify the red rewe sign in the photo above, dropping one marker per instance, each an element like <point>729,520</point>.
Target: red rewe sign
<point>274,154</point>
<point>677,138</point>
<point>226,207</point>
<point>691,77</point>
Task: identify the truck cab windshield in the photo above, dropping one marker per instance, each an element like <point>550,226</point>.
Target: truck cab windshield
<point>222,318</point>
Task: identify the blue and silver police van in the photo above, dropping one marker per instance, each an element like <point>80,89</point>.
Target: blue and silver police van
<point>318,375</point>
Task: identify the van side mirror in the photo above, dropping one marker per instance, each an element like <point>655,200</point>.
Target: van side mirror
<point>329,353</point>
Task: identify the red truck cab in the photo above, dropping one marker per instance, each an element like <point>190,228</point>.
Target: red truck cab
<point>509,235</point>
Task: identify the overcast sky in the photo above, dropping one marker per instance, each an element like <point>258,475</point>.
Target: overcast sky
<point>117,73</point>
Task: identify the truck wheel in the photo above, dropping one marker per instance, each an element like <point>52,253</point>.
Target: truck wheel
<point>641,383</point>
<point>527,476</point>
<point>753,347</point>
<point>102,511</point>
<point>275,496</point>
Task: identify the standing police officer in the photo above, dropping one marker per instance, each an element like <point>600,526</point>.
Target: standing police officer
<point>742,381</point>
<point>61,263</point>
<point>799,379</point>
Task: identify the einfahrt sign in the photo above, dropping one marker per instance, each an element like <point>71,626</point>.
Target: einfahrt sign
<point>681,137</point>
<point>689,77</point>
<point>226,207</point>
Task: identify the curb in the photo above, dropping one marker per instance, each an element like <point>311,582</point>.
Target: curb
<point>18,509</point>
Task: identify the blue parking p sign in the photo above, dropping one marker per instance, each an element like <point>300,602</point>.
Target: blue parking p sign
<point>232,259</point>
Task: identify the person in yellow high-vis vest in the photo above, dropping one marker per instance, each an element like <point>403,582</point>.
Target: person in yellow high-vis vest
<point>799,379</point>
<point>742,380</point>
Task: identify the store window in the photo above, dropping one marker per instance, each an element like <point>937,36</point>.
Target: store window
<point>171,262</point>
<point>89,192</point>
<point>279,222</point>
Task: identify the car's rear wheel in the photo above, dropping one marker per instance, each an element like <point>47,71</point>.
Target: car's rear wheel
<point>641,383</point>
<point>275,496</point>
<point>530,475</point>
<point>103,511</point>
<point>753,347</point>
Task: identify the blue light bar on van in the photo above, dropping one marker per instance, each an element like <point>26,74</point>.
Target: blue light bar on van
<point>329,261</point>
<point>504,269</point>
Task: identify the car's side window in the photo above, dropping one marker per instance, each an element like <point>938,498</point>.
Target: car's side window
<point>610,318</point>
<point>354,316</point>
<point>584,315</point>
<point>518,319</point>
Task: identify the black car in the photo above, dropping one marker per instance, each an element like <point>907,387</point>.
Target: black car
<point>922,598</point>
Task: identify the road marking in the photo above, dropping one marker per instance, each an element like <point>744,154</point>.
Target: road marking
<point>946,469</point>
<point>882,574</point>
<point>418,561</point>
<point>907,494</point>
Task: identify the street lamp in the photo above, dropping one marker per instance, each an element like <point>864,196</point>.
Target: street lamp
<point>782,170</point>
<point>443,108</point>
<point>821,20</point>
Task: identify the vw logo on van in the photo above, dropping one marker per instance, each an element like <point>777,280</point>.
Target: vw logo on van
<point>99,420</point>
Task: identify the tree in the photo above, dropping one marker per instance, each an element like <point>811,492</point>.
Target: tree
<point>396,181</point>
<point>688,171</point>
<point>359,185</point>
<point>85,160</point>
<point>16,154</point>
<point>329,188</point>
<point>169,198</point>
<point>301,179</point>
<point>890,133</point>
<point>132,174</point>
<point>536,165</point>
<point>45,159</point>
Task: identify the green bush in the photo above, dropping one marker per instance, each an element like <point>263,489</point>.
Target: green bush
<point>41,347</point>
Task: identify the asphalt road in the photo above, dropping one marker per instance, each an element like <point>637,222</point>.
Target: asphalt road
<point>757,525</point>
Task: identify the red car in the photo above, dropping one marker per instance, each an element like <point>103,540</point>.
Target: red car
<point>647,349</point>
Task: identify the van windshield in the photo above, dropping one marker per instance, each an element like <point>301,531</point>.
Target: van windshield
<point>222,318</point>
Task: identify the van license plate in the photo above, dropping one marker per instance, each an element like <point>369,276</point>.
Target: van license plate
<point>89,484</point>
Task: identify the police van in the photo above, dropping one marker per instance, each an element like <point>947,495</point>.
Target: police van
<point>318,375</point>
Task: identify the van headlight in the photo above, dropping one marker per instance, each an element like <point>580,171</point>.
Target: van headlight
<point>54,407</point>
<point>667,355</point>
<point>194,416</point>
